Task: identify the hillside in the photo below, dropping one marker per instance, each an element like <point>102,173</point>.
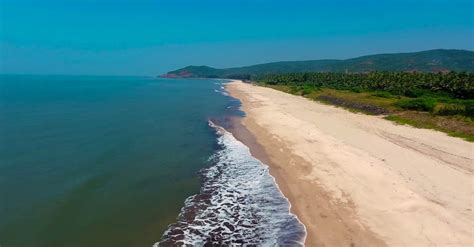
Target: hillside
<point>425,61</point>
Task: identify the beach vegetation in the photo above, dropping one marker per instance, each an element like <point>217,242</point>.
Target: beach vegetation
<point>419,104</point>
<point>444,102</point>
<point>458,85</point>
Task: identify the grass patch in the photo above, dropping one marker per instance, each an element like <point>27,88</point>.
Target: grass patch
<point>383,94</point>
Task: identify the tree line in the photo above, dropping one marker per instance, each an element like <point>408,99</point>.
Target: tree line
<point>456,84</point>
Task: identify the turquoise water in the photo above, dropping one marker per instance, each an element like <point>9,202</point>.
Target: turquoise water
<point>100,161</point>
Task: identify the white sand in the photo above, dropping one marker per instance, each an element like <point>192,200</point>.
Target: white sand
<point>384,184</point>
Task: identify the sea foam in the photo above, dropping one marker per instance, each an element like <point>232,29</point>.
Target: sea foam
<point>222,91</point>
<point>239,203</point>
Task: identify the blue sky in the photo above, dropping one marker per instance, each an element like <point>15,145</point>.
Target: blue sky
<point>149,37</point>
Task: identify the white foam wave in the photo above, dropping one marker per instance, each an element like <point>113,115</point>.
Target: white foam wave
<point>222,91</point>
<point>239,203</point>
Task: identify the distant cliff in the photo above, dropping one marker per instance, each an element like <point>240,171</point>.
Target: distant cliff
<point>425,61</point>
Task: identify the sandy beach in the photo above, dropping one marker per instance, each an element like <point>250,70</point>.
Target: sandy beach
<point>359,180</point>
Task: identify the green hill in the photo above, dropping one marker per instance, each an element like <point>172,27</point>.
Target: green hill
<point>440,60</point>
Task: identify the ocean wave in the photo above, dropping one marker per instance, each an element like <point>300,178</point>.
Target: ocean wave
<point>239,203</point>
<point>222,91</point>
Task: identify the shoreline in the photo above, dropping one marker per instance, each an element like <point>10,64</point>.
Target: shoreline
<point>239,203</point>
<point>334,214</point>
<point>242,134</point>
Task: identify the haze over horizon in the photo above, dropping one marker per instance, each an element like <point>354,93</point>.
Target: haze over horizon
<point>148,37</point>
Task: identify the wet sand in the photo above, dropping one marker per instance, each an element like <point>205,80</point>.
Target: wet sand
<point>358,180</point>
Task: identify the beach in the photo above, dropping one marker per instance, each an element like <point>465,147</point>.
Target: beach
<point>359,180</point>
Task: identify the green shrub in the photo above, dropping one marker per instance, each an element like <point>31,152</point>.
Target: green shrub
<point>383,94</point>
<point>419,104</point>
<point>413,93</point>
<point>469,110</point>
<point>307,89</point>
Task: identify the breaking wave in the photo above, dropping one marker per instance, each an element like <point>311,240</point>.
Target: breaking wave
<point>239,203</point>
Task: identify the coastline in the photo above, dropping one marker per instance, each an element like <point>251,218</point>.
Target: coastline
<point>240,131</point>
<point>333,204</point>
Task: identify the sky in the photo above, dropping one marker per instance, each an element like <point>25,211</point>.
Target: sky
<point>151,37</point>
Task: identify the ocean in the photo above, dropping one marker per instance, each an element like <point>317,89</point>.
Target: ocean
<point>131,161</point>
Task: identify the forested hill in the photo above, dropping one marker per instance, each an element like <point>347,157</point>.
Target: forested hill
<point>425,61</point>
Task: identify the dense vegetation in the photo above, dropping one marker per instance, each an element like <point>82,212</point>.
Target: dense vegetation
<point>425,61</point>
<point>458,85</point>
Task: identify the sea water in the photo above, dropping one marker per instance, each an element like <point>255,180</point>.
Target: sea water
<point>125,161</point>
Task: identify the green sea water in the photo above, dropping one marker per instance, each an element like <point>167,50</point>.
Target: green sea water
<point>100,161</point>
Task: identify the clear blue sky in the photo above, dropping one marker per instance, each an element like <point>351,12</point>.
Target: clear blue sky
<point>149,37</point>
